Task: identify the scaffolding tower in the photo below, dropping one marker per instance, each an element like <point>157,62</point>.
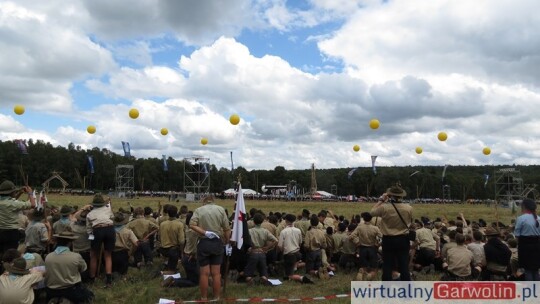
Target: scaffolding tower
<point>446,195</point>
<point>508,185</point>
<point>125,180</point>
<point>313,187</point>
<point>196,174</point>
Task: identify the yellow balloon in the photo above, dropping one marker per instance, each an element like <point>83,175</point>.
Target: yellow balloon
<point>134,113</point>
<point>356,148</point>
<point>234,119</point>
<point>18,109</point>
<point>91,129</point>
<point>374,124</point>
<point>164,131</point>
<point>442,136</point>
<point>204,141</point>
<point>419,150</point>
<point>486,151</point>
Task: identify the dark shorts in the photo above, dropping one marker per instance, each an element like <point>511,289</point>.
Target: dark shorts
<point>313,260</point>
<point>256,262</point>
<point>105,236</point>
<point>369,257</point>
<point>210,252</point>
<point>289,262</point>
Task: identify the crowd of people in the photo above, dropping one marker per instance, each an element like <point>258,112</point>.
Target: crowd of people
<point>57,254</point>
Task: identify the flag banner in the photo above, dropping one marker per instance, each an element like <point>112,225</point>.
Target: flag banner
<point>444,173</point>
<point>91,163</point>
<point>232,164</point>
<point>165,165</point>
<point>205,169</point>
<point>373,159</point>
<point>240,232</point>
<point>486,179</point>
<point>350,174</point>
<point>414,173</point>
<point>127,149</point>
<point>41,201</point>
<point>21,144</point>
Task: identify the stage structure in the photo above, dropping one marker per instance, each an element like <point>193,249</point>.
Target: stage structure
<point>509,186</point>
<point>125,180</point>
<point>313,187</point>
<point>196,175</point>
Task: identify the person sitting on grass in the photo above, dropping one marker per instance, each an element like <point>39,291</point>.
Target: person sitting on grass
<point>497,256</point>
<point>16,285</point>
<point>144,230</point>
<point>459,261</point>
<point>63,276</point>
<point>348,259</point>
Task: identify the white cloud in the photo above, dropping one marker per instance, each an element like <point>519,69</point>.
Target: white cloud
<point>41,59</point>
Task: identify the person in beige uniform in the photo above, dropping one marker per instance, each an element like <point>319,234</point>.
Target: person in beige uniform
<point>63,276</point>
<point>144,230</point>
<point>126,243</point>
<point>396,217</point>
<point>82,244</point>
<point>303,223</point>
<point>189,261</point>
<point>428,243</point>
<point>366,237</point>
<point>16,284</point>
<point>10,208</point>
<point>99,226</point>
<point>459,261</point>
<point>289,242</point>
<point>262,241</point>
<point>172,236</point>
<point>211,223</point>
<point>314,242</point>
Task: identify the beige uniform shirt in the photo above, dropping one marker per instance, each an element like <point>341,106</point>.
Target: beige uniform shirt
<point>446,247</point>
<point>315,239</point>
<point>18,289</point>
<point>282,225</point>
<point>99,216</point>
<point>260,236</point>
<point>391,224</point>
<point>9,212</point>
<point>426,238</point>
<point>191,242</point>
<point>63,270</point>
<point>348,246</point>
<point>211,217</point>
<point>141,227</point>
<point>366,234</point>
<point>338,241</point>
<point>82,243</point>
<point>290,239</point>
<point>459,261</point>
<point>125,239</point>
<point>270,227</point>
<point>171,234</point>
<point>303,225</point>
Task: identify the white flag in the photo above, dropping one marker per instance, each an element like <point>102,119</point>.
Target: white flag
<point>239,219</point>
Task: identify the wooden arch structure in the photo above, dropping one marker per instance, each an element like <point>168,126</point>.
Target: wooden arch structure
<point>55,175</point>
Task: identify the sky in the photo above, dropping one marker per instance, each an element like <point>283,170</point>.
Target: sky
<point>305,76</point>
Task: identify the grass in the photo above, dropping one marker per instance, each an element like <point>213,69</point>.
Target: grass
<point>140,286</point>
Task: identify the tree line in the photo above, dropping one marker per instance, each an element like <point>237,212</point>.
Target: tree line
<point>43,158</point>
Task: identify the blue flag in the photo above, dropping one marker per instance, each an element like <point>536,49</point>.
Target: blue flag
<point>373,159</point>
<point>21,143</point>
<point>91,163</point>
<point>127,150</point>
<point>165,166</point>
<point>486,179</point>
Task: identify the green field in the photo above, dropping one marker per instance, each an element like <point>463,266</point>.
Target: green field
<point>142,286</point>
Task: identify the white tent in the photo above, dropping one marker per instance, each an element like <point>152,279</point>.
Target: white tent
<point>231,191</point>
<point>324,193</point>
